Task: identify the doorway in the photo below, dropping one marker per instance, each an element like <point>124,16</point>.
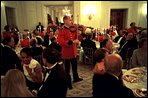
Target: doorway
<point>118,17</point>
<point>10,16</point>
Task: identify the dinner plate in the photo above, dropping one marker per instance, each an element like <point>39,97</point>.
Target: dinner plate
<point>137,71</point>
<point>140,93</point>
<point>130,78</point>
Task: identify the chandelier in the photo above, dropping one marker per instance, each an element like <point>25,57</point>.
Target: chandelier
<point>66,11</point>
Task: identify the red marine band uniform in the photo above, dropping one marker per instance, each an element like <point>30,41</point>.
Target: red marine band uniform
<point>65,35</point>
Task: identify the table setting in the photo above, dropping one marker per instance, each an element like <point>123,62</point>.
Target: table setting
<point>136,80</point>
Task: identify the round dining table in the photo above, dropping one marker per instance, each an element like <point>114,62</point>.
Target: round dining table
<point>136,80</point>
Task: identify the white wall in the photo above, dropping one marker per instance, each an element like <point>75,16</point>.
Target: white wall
<point>142,15</point>
<point>102,17</point>
<point>95,21</point>
<point>3,13</point>
<point>134,10</point>
<point>3,17</point>
<point>77,14</point>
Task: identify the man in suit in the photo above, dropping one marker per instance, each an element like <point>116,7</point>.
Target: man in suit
<point>129,45</point>
<point>55,82</point>
<point>108,84</point>
<point>121,38</point>
<point>88,42</point>
<point>40,27</point>
<point>54,44</point>
<point>9,58</point>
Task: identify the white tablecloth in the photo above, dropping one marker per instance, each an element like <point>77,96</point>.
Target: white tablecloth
<point>136,78</point>
<point>18,50</point>
<point>97,43</point>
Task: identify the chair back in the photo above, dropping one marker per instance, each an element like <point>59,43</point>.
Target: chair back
<point>128,58</point>
<point>88,55</point>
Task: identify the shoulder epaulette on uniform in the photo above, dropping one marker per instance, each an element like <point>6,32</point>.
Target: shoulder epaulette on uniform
<point>65,27</point>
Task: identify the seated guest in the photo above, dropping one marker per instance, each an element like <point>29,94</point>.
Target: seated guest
<point>82,36</point>
<point>133,28</point>
<point>121,38</point>
<point>126,50</point>
<point>9,58</point>
<point>54,44</point>
<point>25,42</point>
<point>108,84</point>
<point>15,32</point>
<point>107,44</point>
<point>47,40</point>
<point>99,56</point>
<point>143,34</point>
<point>39,40</point>
<point>7,33</point>
<point>36,35</point>
<point>14,85</point>
<point>55,83</point>
<point>139,57</point>
<point>88,42</point>
<point>32,69</point>
<point>36,49</point>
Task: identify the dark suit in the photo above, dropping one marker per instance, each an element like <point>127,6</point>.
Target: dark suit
<point>109,86</point>
<point>126,50</point>
<point>9,60</point>
<point>46,40</point>
<point>88,43</point>
<point>40,26</point>
<point>36,51</point>
<point>55,46</point>
<point>55,84</point>
<point>122,40</point>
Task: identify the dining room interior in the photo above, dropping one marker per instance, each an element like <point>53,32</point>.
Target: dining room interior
<point>108,22</point>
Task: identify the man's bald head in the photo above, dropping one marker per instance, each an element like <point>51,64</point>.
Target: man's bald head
<point>113,64</point>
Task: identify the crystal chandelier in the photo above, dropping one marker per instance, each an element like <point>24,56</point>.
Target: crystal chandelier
<point>66,11</point>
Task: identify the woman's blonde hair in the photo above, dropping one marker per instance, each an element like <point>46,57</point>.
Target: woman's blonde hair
<point>14,85</point>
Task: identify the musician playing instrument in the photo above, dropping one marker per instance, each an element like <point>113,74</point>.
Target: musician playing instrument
<point>68,39</point>
<point>133,29</point>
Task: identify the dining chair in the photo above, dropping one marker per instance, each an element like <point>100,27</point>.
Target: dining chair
<point>88,55</point>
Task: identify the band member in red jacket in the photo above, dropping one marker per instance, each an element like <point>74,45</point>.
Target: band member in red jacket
<point>68,40</point>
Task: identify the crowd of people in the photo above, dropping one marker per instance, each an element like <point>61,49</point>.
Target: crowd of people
<point>57,49</point>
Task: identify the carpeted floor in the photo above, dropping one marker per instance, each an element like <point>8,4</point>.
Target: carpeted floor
<point>82,88</point>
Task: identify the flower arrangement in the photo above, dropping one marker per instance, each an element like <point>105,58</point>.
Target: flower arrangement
<point>112,33</point>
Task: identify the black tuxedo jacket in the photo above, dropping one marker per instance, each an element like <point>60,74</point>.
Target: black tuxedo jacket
<point>9,60</point>
<point>42,27</point>
<point>55,46</point>
<point>122,40</point>
<point>126,50</point>
<point>109,86</point>
<point>55,84</point>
